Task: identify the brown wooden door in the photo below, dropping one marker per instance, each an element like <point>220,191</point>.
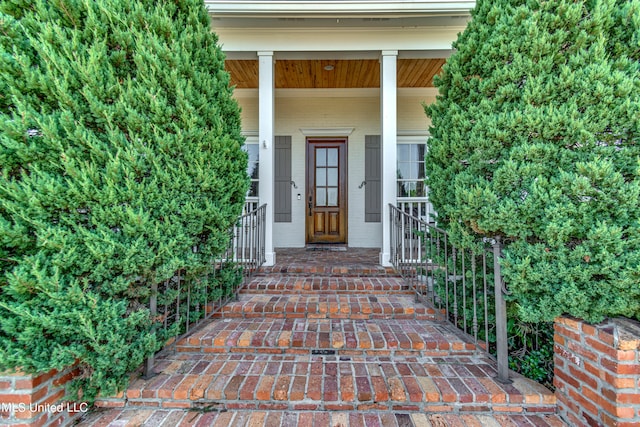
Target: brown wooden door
<point>326,190</point>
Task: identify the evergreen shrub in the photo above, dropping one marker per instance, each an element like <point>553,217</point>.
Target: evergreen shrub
<point>122,162</point>
<point>535,140</point>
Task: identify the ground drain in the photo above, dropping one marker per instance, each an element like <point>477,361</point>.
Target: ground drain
<point>323,352</point>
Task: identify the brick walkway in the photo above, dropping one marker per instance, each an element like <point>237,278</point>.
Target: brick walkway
<point>184,418</point>
<point>327,338</point>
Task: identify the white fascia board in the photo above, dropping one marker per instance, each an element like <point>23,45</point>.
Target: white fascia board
<point>343,40</point>
<point>301,9</point>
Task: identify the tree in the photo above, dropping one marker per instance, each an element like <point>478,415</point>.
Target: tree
<point>122,161</point>
<point>535,140</point>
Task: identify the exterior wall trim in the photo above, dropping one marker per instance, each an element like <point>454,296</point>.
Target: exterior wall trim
<point>340,93</point>
<point>343,131</point>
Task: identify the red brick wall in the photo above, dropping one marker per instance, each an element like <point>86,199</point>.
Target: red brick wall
<point>37,400</point>
<point>597,372</point>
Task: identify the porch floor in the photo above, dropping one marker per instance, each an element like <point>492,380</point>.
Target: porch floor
<point>326,338</point>
<point>328,260</point>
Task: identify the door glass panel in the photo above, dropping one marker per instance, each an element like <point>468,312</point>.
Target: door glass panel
<point>321,157</point>
<point>332,178</point>
<point>333,196</point>
<point>321,197</point>
<point>321,177</point>
<point>332,157</point>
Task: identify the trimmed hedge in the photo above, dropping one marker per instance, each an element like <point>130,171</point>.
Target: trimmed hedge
<point>535,140</point>
<point>122,162</point>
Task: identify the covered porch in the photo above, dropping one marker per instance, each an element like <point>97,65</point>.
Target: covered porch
<point>332,108</point>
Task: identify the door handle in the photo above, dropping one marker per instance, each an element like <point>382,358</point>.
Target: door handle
<point>310,205</point>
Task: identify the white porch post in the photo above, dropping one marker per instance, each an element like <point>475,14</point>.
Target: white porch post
<point>389,132</point>
<point>265,138</point>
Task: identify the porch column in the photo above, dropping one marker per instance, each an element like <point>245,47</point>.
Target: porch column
<point>265,138</point>
<point>389,132</point>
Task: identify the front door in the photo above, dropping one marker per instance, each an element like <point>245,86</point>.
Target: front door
<point>326,190</point>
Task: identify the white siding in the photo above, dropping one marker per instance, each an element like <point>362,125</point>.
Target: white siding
<point>363,114</point>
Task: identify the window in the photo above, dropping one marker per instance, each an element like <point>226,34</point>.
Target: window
<point>411,170</point>
<point>412,193</point>
<point>253,167</point>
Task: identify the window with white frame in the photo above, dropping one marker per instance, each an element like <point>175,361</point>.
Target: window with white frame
<point>253,150</point>
<point>412,192</point>
<point>411,170</point>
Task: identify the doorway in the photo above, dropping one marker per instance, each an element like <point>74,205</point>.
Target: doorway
<point>326,190</point>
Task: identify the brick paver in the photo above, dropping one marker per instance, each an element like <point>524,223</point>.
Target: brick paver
<point>324,306</point>
<point>352,262</point>
<point>132,417</point>
<point>341,336</point>
<point>279,283</point>
<point>258,380</point>
<point>327,339</point>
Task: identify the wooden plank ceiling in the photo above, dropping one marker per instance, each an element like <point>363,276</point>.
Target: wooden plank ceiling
<point>345,73</point>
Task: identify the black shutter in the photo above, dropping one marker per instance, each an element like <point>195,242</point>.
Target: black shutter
<point>372,172</point>
<point>282,179</point>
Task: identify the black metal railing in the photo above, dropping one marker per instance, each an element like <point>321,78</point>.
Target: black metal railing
<point>184,302</point>
<point>247,247</point>
<point>464,285</point>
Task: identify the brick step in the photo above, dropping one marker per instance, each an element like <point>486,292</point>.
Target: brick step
<point>333,383</point>
<point>327,306</point>
<point>281,284</point>
<point>327,336</point>
<point>134,417</point>
<point>331,269</point>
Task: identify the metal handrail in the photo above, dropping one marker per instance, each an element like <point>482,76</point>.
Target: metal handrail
<point>181,304</point>
<point>456,281</point>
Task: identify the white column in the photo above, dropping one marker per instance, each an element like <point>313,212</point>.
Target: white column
<point>389,132</point>
<point>265,136</point>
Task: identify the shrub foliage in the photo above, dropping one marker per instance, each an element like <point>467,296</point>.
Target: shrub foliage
<point>122,162</point>
<point>535,140</point>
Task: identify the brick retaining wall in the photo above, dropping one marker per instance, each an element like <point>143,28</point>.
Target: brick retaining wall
<point>37,400</point>
<point>597,372</point>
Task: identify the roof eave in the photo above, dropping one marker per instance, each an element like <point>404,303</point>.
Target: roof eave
<point>335,9</point>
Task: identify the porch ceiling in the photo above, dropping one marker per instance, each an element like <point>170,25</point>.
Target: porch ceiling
<point>346,73</point>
